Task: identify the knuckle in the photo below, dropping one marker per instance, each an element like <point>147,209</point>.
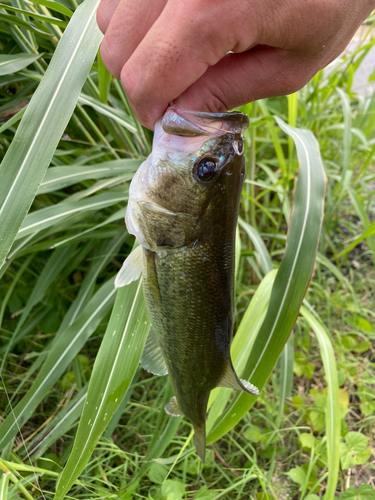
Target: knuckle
<point>101,18</point>
<point>289,81</point>
<point>216,104</point>
<point>131,86</point>
<point>109,58</point>
<point>138,96</point>
<point>215,100</point>
<point>220,99</point>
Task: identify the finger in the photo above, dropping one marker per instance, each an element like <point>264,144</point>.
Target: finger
<point>181,45</point>
<point>105,12</point>
<point>129,24</point>
<point>241,78</point>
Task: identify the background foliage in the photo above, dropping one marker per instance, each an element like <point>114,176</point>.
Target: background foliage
<point>56,291</point>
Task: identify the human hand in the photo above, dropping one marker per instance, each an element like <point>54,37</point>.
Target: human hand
<point>166,50</point>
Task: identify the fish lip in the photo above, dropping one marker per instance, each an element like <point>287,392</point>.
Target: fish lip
<point>198,123</point>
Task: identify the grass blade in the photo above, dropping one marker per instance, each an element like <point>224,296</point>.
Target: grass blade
<point>17,21</point>
<point>362,214</point>
<point>292,279</point>
<point>46,117</point>
<point>347,131</point>
<point>105,253</point>
<point>9,123</point>
<point>117,115</point>
<point>4,485</point>
<point>365,235</point>
<point>333,417</point>
<point>58,260</point>
<point>59,425</point>
<point>286,376</point>
<point>49,216</point>
<point>111,378</point>
<point>41,17</point>
<point>263,255</point>
<point>62,177</point>
<point>63,352</point>
<point>15,62</point>
<point>58,7</point>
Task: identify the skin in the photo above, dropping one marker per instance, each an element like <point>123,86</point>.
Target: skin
<point>166,50</point>
<point>188,281</point>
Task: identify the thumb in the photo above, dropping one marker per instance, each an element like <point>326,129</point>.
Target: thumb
<point>241,78</point>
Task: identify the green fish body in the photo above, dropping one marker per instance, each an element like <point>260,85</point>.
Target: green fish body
<point>183,209</point>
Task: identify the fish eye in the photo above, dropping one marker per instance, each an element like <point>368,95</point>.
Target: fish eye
<point>206,169</point>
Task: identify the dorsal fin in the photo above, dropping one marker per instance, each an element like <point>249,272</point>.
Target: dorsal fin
<point>152,358</point>
<point>230,379</point>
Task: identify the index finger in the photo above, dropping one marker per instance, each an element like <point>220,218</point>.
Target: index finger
<point>182,44</point>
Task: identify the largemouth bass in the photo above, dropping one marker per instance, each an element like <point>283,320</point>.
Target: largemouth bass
<point>183,208</point>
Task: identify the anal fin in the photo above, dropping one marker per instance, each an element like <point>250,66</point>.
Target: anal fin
<point>230,379</point>
<point>172,409</point>
<point>152,358</point>
<point>249,387</point>
<point>131,268</point>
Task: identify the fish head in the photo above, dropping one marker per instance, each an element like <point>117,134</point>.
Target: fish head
<point>191,181</point>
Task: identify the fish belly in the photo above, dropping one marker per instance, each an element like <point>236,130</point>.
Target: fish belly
<point>189,298</point>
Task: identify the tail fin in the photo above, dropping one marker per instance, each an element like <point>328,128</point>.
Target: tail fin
<point>200,441</point>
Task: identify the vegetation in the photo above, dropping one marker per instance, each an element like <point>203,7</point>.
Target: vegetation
<point>69,160</point>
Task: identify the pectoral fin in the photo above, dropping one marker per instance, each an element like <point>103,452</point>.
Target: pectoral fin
<point>152,358</point>
<point>131,268</point>
<point>230,379</point>
<point>172,409</point>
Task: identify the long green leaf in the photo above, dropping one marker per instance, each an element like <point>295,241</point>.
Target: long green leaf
<point>62,177</point>
<point>59,425</point>
<point>63,352</point>
<point>292,279</point>
<point>54,265</point>
<point>14,119</point>
<point>46,117</point>
<point>345,101</point>
<point>58,7</point>
<point>362,214</point>
<point>120,214</point>
<point>4,485</point>
<point>112,375</point>
<point>41,17</point>
<point>286,376</point>
<point>105,253</point>
<point>333,416</point>
<point>49,216</point>
<point>113,113</point>
<point>366,234</point>
<point>263,255</point>
<point>15,62</point>
<point>15,20</point>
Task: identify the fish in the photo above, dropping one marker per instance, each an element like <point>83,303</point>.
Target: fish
<point>183,210</point>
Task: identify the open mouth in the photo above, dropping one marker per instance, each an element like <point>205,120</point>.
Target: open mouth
<point>195,123</point>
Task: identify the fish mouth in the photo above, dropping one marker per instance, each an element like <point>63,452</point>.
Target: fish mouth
<point>188,123</point>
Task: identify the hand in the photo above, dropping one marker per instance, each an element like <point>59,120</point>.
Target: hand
<point>166,50</point>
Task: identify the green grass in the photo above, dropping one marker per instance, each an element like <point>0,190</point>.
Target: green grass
<point>309,434</point>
